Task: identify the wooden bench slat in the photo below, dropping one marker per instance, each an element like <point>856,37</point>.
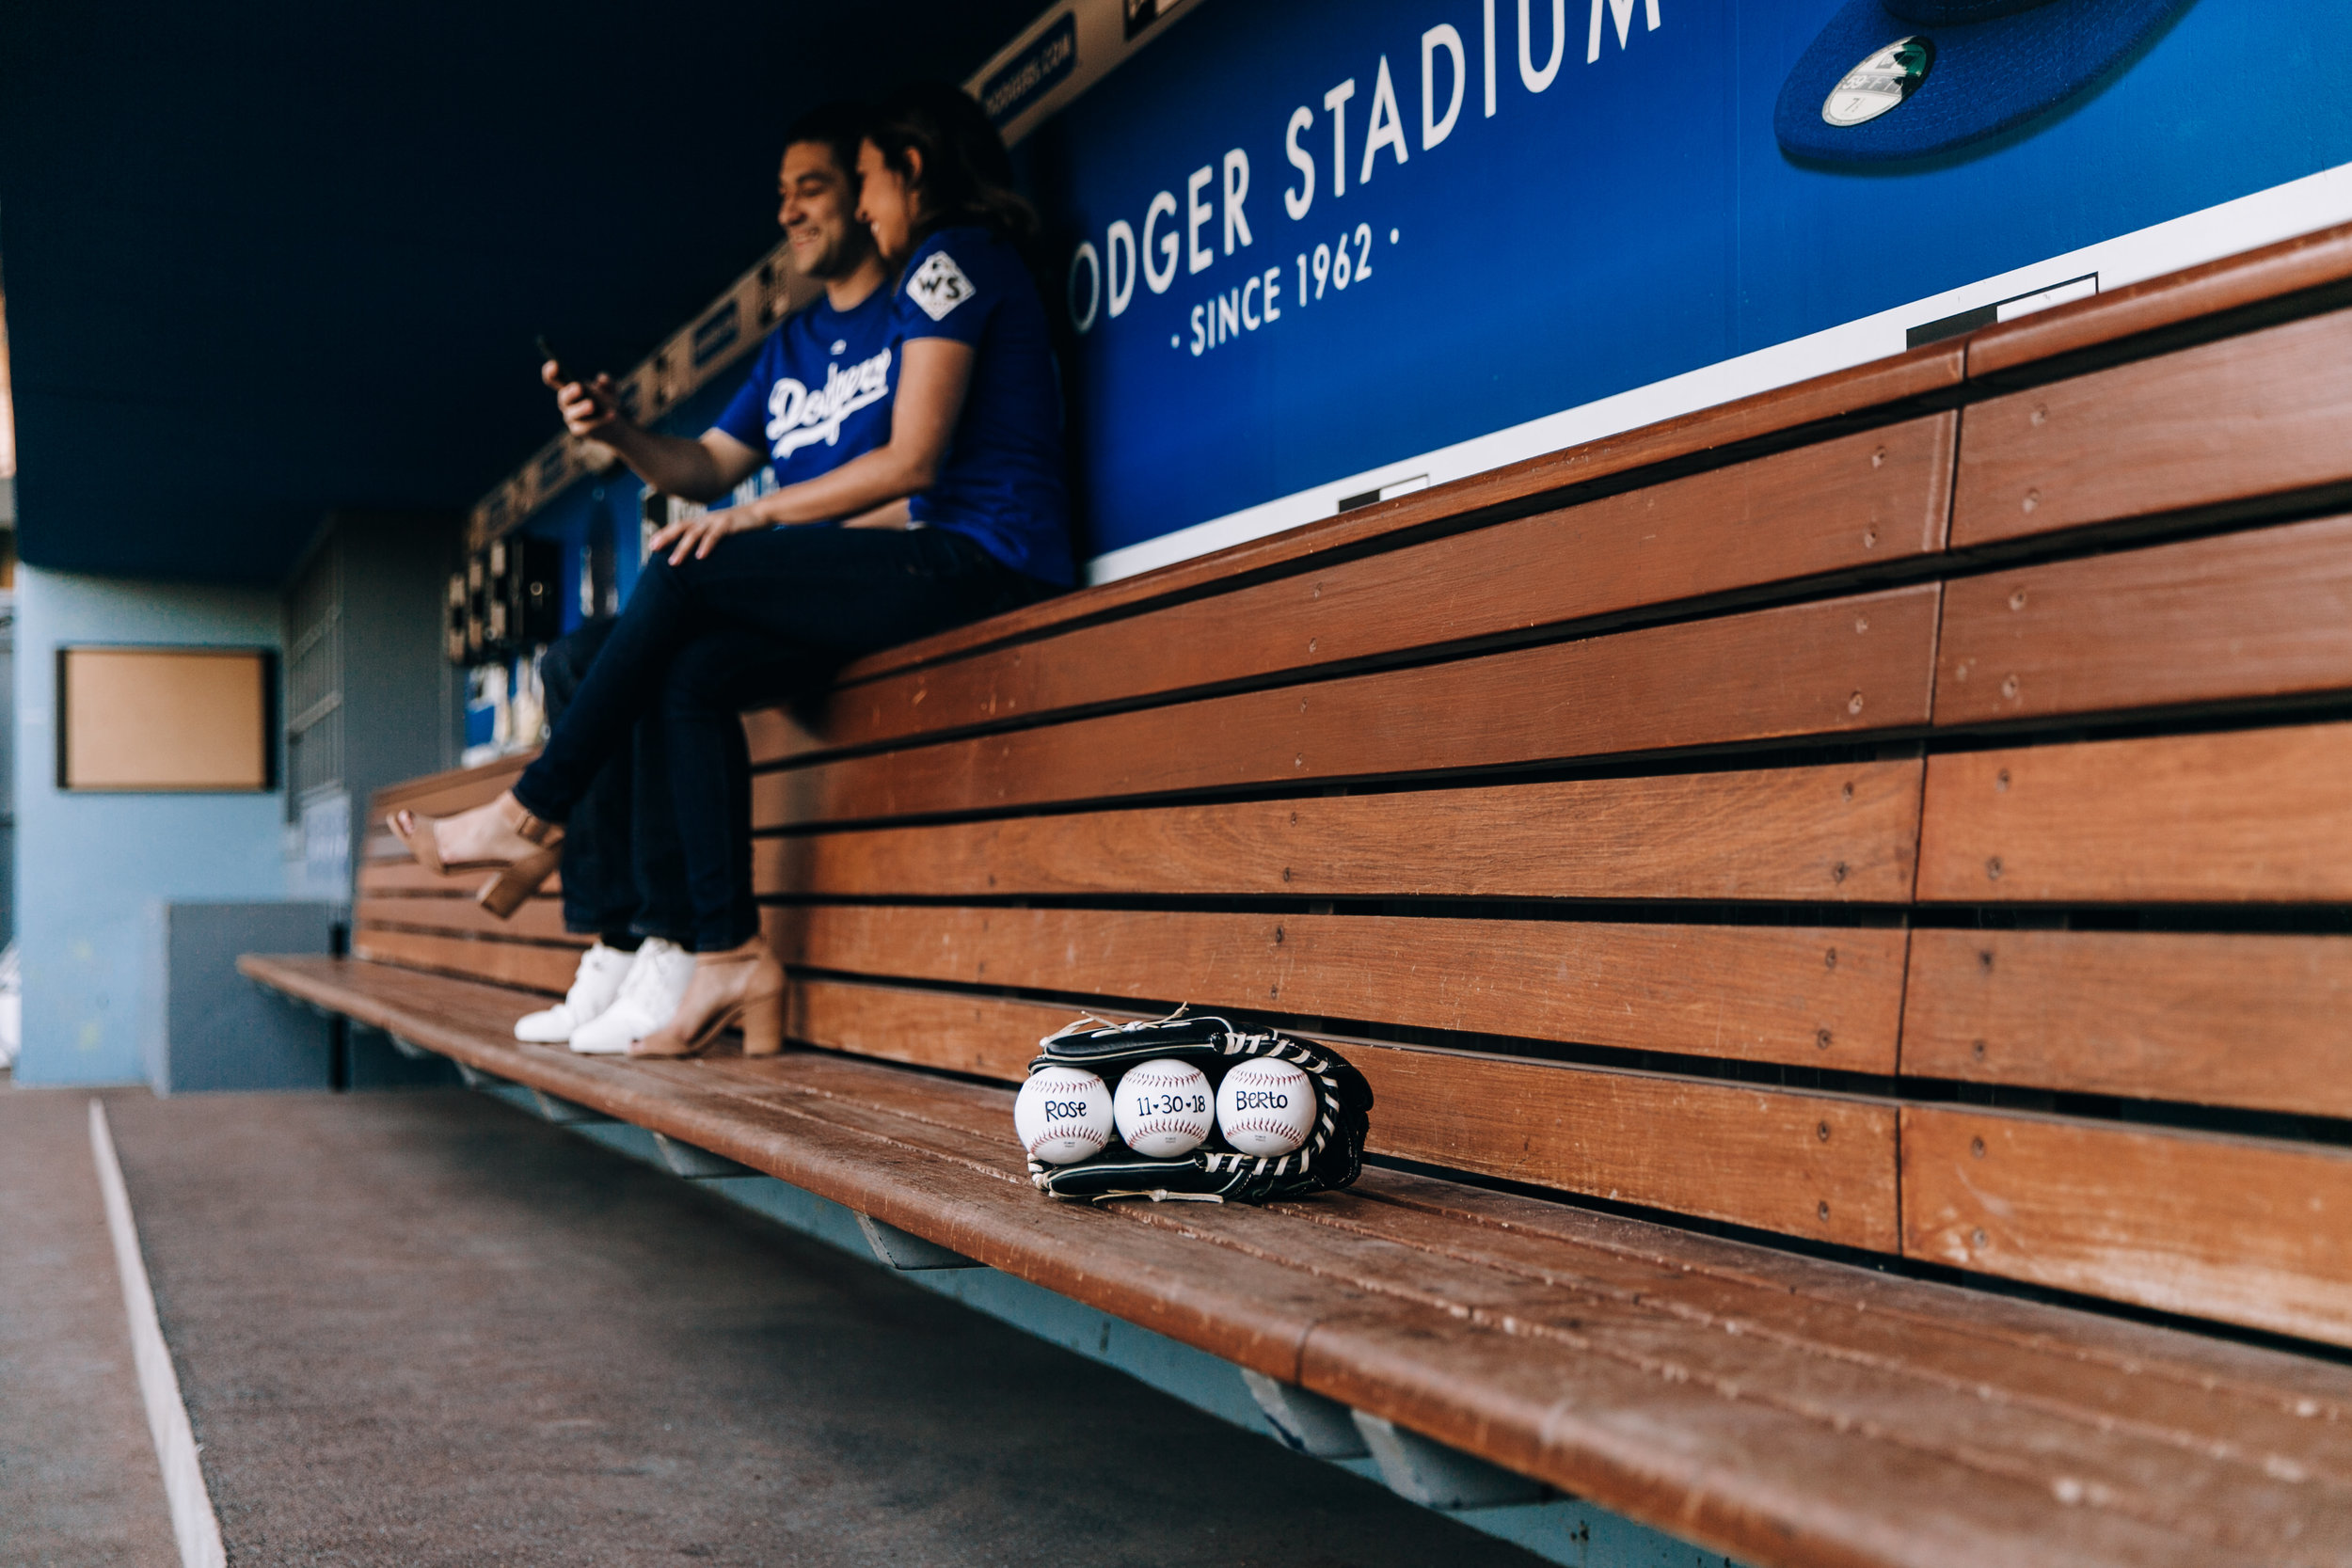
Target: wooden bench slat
<point>2259,614</point>
<point>1859,501</point>
<point>2281,1411</point>
<point>1845,665</point>
<point>2243,816</point>
<point>527,965</point>
<point>2243,1229</point>
<point>1840,833</point>
<point>2254,1021</point>
<point>1924,371</point>
<point>1814,996</point>
<point>538,920</point>
<point>1750,1155</point>
<point>1516,1284</point>
<point>1556,1423</point>
<point>989,1037</point>
<point>2250,277</point>
<point>2245,418</point>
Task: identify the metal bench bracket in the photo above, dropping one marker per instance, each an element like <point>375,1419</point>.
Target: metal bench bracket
<point>697,1165</point>
<point>1305,1421</point>
<point>1434,1476</point>
<point>901,1249</point>
<point>565,1113</point>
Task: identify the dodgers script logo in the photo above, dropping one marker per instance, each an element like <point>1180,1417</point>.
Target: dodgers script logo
<point>939,286</point>
<point>799,418</point>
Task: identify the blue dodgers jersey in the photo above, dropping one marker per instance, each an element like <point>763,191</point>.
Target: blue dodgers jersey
<point>1003,485</point>
<point>820,393</point>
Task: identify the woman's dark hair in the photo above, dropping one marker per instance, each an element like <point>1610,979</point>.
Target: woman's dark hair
<point>968,174</point>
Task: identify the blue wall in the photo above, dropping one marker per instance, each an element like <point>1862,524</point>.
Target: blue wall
<point>1563,239</point>
<point>93,870</point>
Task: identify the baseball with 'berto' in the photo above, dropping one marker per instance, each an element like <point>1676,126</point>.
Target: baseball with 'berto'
<point>1266,1107</point>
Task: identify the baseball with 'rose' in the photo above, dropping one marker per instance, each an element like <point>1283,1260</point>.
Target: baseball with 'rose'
<point>1063,1114</point>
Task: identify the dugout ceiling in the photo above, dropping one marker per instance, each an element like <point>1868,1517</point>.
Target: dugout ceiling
<point>266,260</point>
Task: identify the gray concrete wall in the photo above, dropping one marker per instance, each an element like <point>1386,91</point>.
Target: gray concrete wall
<point>219,1030</point>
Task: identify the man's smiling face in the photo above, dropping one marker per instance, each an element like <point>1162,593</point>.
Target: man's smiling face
<point>818,212</point>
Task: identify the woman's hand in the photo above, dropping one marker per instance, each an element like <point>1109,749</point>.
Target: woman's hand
<point>698,535</point>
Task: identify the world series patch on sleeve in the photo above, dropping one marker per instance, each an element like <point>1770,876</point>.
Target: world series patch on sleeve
<point>1194,1108</point>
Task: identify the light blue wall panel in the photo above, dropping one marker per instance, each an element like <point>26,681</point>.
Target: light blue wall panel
<point>92,869</point>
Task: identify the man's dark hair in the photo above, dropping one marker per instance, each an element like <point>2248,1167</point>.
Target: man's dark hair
<point>840,126</point>
<point>968,174</point>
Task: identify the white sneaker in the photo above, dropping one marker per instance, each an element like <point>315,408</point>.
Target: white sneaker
<point>656,983</point>
<point>598,982</point>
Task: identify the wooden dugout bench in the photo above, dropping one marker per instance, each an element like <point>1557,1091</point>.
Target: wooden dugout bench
<point>1845,900</point>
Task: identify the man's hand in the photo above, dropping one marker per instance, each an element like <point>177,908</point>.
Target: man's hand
<point>698,535</point>
<point>588,406</point>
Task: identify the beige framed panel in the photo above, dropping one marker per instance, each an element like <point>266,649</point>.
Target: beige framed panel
<point>166,720</point>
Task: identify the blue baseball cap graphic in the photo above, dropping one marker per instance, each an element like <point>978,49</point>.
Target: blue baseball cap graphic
<point>1889,80</point>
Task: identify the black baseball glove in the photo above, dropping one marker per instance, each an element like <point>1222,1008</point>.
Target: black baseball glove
<point>1332,1155</point>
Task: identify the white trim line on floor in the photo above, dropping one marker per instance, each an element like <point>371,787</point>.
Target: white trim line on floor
<point>193,1523</point>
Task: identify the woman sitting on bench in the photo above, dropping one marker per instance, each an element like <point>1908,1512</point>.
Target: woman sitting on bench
<point>962,514</point>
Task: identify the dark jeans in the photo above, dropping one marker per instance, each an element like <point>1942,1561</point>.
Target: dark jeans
<point>624,869</point>
<point>767,617</point>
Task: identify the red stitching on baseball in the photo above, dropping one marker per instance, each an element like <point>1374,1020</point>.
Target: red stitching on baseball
<point>1084,1134</point>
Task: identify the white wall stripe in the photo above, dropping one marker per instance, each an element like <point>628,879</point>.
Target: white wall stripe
<point>193,1523</point>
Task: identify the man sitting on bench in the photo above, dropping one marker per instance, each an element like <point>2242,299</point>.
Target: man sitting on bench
<point>624,874</point>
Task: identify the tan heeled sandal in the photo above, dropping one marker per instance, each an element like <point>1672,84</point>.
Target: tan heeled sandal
<point>517,879</point>
<point>741,988</point>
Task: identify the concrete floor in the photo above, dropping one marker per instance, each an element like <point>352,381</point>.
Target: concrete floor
<point>79,1486</point>
<point>421,1328</point>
